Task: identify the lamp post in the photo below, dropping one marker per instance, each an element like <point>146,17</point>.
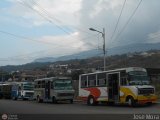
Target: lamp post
<point>104,46</point>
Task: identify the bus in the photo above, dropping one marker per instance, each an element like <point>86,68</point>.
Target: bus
<point>22,90</point>
<point>126,85</point>
<point>5,91</point>
<point>54,89</point>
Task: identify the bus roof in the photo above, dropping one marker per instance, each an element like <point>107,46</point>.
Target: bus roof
<point>18,83</point>
<point>52,78</point>
<point>4,84</point>
<point>120,69</point>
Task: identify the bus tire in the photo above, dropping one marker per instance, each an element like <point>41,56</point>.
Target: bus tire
<point>54,100</point>
<point>39,100</point>
<point>91,101</point>
<point>131,101</point>
<point>14,98</point>
<point>21,97</point>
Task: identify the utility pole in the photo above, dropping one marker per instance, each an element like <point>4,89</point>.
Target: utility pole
<point>104,46</point>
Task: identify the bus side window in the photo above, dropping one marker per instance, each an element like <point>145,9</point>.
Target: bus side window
<point>123,81</point>
<point>84,81</point>
<point>38,84</point>
<point>35,85</point>
<point>43,84</point>
<point>92,80</point>
<point>101,79</point>
<point>51,85</point>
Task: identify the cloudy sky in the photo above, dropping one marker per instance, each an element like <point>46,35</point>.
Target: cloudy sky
<point>31,29</point>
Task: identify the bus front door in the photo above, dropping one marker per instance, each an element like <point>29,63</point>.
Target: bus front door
<point>47,89</point>
<point>113,87</point>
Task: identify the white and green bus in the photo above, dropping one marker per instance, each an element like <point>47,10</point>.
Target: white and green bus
<point>22,90</point>
<point>54,89</point>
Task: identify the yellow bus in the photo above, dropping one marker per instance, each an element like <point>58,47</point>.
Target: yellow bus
<point>126,85</point>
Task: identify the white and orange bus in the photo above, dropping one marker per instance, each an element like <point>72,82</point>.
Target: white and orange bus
<point>127,85</point>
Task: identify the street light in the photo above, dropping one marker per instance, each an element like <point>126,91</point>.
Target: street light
<point>104,47</point>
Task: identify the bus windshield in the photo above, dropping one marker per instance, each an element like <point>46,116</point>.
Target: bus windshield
<point>63,85</point>
<point>138,78</point>
<point>28,86</point>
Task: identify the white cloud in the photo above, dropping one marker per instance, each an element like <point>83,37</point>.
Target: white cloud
<point>154,37</point>
<point>60,12</point>
<point>62,45</point>
<point>83,14</point>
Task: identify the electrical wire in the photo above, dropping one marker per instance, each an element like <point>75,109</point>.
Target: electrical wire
<point>128,20</point>
<point>118,20</point>
<point>55,18</point>
<point>50,20</point>
<point>41,14</point>
<point>26,38</point>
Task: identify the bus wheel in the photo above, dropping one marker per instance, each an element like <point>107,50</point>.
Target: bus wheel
<point>131,101</point>
<point>54,100</point>
<point>38,99</point>
<point>14,98</point>
<point>22,97</point>
<point>91,101</point>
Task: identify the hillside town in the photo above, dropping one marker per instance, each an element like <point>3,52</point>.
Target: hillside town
<point>75,67</point>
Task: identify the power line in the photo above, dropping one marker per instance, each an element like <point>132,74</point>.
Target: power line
<point>118,19</point>
<point>26,38</point>
<point>15,58</point>
<point>45,11</point>
<point>41,14</point>
<point>47,16</point>
<point>24,55</point>
<point>55,18</point>
<point>23,37</point>
<point>128,20</point>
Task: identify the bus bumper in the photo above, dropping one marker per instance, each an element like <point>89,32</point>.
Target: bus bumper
<point>143,99</point>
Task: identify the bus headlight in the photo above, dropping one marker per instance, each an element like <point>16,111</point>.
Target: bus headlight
<point>146,91</point>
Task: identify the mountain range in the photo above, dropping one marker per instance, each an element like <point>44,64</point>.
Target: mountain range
<point>113,51</point>
<point>43,62</point>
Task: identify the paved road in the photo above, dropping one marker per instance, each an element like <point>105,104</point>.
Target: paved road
<point>32,107</point>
